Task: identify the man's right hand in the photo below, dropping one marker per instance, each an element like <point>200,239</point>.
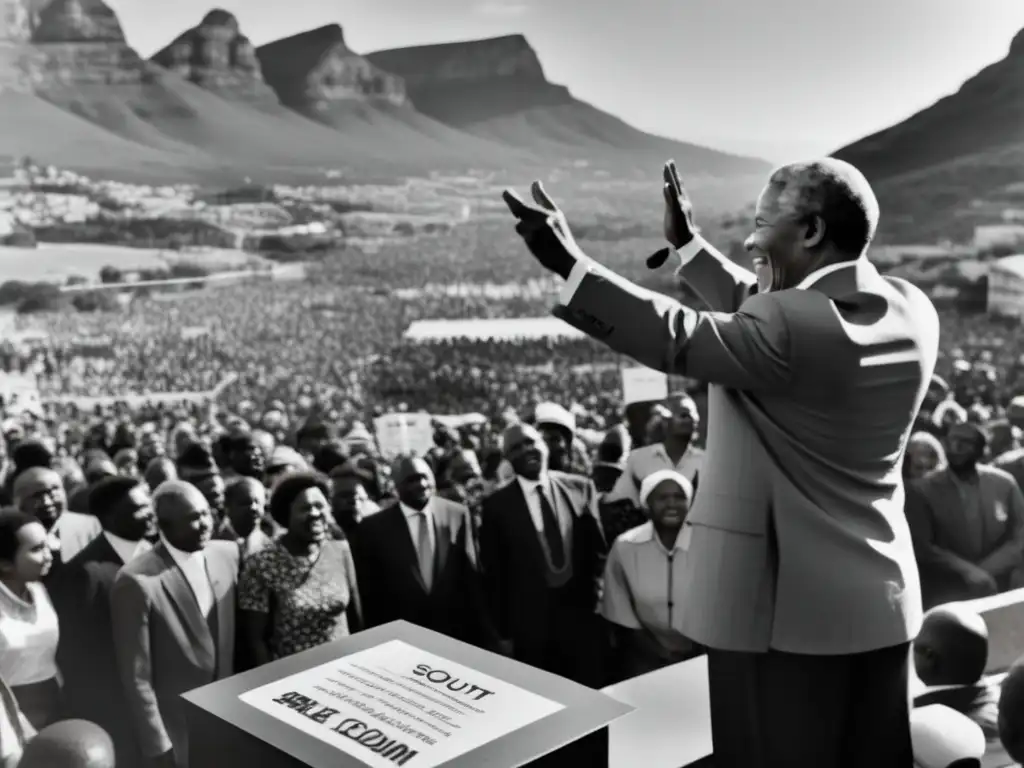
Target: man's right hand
<point>679,227</point>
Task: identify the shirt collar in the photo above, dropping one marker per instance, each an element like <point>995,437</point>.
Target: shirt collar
<point>818,274</point>
<point>410,512</point>
<point>531,486</point>
<point>646,533</point>
<point>179,557</point>
<point>125,548</point>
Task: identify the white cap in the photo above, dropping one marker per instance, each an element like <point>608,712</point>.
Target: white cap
<point>655,479</point>
<point>941,736</point>
<point>553,413</point>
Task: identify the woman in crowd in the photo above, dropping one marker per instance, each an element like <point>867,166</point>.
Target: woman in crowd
<point>643,581</point>
<point>301,591</point>
<point>28,622</point>
<point>924,454</point>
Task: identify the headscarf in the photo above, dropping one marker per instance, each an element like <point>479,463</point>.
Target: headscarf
<point>655,479</point>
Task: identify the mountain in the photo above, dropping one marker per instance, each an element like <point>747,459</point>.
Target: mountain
<point>497,89</point>
<point>316,74</point>
<point>935,170</point>
<point>215,55</point>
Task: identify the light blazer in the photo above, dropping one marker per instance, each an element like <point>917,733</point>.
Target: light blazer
<point>165,647</point>
<point>798,536</point>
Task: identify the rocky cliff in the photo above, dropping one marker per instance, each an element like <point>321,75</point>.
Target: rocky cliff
<point>315,72</point>
<point>218,57</point>
<point>508,57</point>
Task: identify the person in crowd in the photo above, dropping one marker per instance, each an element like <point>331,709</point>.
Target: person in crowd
<point>350,503</point>
<point>542,554</point>
<point>330,455</point>
<point>1011,461</point>
<point>127,462</point>
<point>196,466</point>
<point>463,483</point>
<point>173,612</point>
<point>82,598</point>
<point>39,492</point>
<point>282,461</point>
<point>245,457</point>
<point>70,744</point>
<point>15,729</point>
<point>160,470</point>
<point>971,521</point>
<point>924,455</point>
<point>417,560</point>
<point>610,460</point>
<point>644,581</point>
<point>301,591</point>
<point>150,447</point>
<point>809,415</point>
<point>245,519</point>
<point>676,451</point>
<point>558,428</point>
<point>950,656</point>
<point>29,628</point>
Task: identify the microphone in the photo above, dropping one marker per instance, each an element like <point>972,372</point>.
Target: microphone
<point>658,258</point>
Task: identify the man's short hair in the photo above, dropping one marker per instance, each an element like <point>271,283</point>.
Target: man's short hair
<point>838,193</point>
<point>106,494</point>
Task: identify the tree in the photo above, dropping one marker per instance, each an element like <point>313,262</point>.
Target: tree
<point>109,274</point>
<point>41,297</point>
<point>95,301</point>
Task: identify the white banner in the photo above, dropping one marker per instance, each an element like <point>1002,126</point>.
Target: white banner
<point>19,393</point>
<point>395,704</point>
<point>642,384</point>
<point>404,433</point>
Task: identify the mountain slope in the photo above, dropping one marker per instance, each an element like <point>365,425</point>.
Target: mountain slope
<point>316,74</point>
<point>987,112</point>
<point>497,89</point>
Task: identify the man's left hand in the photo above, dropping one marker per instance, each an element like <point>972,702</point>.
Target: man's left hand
<point>545,231</point>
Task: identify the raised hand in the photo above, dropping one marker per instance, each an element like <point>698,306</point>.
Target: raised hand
<point>544,230</point>
<point>679,227</point>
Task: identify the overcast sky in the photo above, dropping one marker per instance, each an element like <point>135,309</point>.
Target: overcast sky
<point>775,78</point>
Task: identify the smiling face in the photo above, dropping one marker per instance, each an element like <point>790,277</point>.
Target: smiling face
<point>668,505</point>
<point>784,233</point>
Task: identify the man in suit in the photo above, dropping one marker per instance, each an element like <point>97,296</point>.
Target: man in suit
<point>416,560</point>
<point>40,492</point>
<point>173,611</point>
<point>245,516</point>
<point>542,552</point>
<point>969,521</point>
<point>81,597</point>
<point>808,590</point>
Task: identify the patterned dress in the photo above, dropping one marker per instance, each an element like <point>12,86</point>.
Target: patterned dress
<point>307,598</point>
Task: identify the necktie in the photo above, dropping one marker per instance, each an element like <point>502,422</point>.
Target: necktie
<point>424,551</point>
<point>552,533</point>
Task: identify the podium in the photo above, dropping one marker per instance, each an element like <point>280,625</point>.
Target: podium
<point>398,695</point>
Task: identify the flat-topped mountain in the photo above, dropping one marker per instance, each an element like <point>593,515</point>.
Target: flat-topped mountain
<point>215,55</point>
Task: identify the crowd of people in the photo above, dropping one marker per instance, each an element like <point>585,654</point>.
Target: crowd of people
<point>276,484</point>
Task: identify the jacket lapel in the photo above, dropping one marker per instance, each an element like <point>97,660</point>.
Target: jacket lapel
<point>443,523</point>
<point>184,601</point>
<point>222,583</point>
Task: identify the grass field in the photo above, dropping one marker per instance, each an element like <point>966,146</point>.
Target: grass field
<point>55,262</point>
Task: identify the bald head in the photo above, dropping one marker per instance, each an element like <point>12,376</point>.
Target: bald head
<point>172,496</point>
<point>183,514</point>
<point>836,192</point>
<point>951,647</point>
<point>69,744</point>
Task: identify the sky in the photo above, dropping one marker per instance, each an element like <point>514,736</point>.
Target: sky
<point>780,79</point>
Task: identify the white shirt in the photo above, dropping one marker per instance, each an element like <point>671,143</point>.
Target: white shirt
<point>125,549</point>
<point>563,516</point>
<point>415,518</point>
<point>29,634</point>
<point>193,566</point>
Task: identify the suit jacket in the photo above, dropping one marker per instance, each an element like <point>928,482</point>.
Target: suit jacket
<point>165,647</point>
<point>76,532</point>
<point>797,539</point>
<point>947,534</point>
<point>391,586</point>
<point>85,655</point>
<point>515,567</point>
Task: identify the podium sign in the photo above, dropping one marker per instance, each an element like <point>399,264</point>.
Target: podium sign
<point>397,695</point>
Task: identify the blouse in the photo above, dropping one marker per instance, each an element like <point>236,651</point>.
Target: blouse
<point>28,636</point>
<point>306,597</point>
<point>643,583</point>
